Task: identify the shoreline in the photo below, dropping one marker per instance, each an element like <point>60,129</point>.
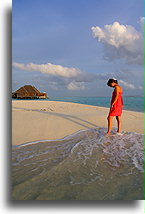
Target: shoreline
<point>49,100</point>
<point>61,139</point>
<point>38,121</point>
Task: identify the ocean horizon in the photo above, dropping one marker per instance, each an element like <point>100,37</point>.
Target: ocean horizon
<point>131,103</point>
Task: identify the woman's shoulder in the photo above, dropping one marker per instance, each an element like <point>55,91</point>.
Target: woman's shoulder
<point>118,88</point>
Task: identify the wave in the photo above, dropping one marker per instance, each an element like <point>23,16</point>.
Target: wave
<point>83,166</point>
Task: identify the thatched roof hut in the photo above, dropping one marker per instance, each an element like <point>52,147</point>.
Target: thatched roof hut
<point>28,92</point>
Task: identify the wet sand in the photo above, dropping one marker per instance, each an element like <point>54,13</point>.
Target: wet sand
<point>84,166</point>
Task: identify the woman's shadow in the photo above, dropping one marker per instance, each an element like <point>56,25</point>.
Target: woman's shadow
<point>71,118</point>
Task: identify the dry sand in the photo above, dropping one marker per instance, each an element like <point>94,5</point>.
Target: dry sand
<point>48,120</point>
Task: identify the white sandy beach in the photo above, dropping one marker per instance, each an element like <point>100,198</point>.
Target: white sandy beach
<point>49,120</point>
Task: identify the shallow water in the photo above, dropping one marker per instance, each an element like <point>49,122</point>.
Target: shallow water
<point>83,166</point>
<point>131,103</point>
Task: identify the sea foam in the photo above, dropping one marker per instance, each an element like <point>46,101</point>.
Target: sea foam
<point>86,165</point>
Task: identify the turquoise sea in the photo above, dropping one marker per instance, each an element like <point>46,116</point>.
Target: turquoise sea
<point>130,102</point>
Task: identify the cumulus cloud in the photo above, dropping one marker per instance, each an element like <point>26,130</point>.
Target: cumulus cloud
<point>56,70</point>
<point>120,41</point>
<point>76,86</point>
<point>126,84</point>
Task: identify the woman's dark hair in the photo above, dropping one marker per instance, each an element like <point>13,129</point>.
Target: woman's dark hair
<point>111,81</point>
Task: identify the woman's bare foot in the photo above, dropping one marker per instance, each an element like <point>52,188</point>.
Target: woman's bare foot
<point>107,134</point>
<point>119,133</point>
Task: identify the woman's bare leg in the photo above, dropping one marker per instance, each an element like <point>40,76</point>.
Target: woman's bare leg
<point>118,118</point>
<point>109,118</point>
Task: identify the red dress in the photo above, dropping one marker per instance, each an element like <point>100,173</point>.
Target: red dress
<point>116,110</point>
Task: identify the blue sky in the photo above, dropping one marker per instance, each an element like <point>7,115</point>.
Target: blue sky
<point>59,32</point>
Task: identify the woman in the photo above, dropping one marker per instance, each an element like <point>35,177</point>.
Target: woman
<point>116,105</point>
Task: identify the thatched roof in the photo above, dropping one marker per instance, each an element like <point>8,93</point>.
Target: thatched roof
<point>27,91</point>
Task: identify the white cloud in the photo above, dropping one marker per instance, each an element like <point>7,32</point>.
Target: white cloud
<point>140,87</point>
<point>76,86</point>
<point>141,22</point>
<point>56,70</point>
<point>126,84</point>
<point>121,41</point>
<point>72,79</point>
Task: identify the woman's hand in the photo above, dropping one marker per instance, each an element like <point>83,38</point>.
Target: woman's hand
<point>111,106</point>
